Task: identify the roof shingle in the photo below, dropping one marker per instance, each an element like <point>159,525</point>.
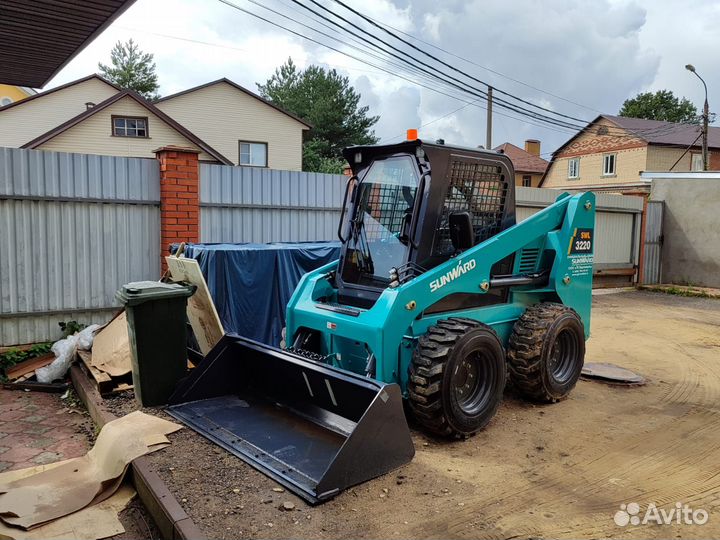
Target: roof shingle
<point>670,133</point>
<point>523,162</point>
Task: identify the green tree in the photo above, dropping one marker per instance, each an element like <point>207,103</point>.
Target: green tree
<point>661,105</point>
<point>132,69</point>
<point>326,100</point>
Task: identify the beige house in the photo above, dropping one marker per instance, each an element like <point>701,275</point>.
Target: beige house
<point>612,152</point>
<point>244,127</point>
<point>529,166</point>
<point>93,116</point>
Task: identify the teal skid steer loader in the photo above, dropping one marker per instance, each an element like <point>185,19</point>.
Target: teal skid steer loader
<point>438,298</point>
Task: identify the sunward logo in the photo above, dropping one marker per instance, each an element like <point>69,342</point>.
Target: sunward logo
<point>455,273</point>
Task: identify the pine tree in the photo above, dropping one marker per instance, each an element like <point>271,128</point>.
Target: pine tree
<point>132,69</point>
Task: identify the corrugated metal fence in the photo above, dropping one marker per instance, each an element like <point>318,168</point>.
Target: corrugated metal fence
<point>73,227</point>
<point>247,204</point>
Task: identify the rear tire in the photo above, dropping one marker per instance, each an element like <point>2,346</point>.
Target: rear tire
<point>546,352</point>
<point>457,377</point>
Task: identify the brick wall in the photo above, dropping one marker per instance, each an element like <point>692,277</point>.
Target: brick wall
<point>179,197</point>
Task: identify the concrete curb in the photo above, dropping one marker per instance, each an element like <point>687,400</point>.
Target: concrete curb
<point>169,516</point>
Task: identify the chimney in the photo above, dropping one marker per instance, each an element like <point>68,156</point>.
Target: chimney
<point>532,146</point>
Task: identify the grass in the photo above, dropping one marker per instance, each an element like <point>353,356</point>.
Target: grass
<point>687,291</point>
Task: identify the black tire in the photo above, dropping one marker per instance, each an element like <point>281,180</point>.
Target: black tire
<point>457,377</point>
<point>546,352</point>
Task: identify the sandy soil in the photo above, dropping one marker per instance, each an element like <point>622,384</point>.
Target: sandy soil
<point>559,470</point>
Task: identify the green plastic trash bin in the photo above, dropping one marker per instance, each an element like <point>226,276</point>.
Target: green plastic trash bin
<point>158,332</point>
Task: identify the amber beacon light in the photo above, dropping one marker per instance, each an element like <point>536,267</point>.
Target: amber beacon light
<point>412,134</point>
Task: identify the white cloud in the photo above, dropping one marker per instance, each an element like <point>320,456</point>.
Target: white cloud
<point>593,53</point>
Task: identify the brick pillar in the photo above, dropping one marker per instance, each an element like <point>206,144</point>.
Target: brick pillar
<point>179,197</point>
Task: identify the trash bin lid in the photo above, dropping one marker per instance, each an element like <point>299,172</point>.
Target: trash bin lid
<point>137,292</point>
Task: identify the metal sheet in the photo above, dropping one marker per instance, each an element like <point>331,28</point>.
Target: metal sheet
<point>611,373</point>
<point>247,204</point>
<point>62,260</point>
<point>653,242</point>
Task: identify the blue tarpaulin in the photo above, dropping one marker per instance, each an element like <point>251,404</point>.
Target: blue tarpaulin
<point>251,284</point>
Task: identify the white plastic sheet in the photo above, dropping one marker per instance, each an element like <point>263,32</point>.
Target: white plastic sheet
<point>64,351</point>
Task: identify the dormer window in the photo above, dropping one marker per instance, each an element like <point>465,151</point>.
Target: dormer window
<point>130,126</point>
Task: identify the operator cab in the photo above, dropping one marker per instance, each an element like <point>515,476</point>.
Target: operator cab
<point>411,206</point>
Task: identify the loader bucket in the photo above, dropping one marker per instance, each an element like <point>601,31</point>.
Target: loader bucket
<point>313,428</point>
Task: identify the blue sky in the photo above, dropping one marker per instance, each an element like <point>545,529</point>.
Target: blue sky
<point>583,56</point>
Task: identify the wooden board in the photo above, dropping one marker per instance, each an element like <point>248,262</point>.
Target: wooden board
<point>106,384</point>
<point>201,311</point>
<point>29,366</point>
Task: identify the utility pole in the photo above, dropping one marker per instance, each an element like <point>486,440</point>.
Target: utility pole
<point>706,119</point>
<point>706,122</point>
<point>488,136</point>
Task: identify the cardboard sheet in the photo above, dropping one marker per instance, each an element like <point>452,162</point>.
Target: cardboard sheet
<point>111,348</point>
<point>64,489</point>
<point>201,311</point>
<point>99,521</point>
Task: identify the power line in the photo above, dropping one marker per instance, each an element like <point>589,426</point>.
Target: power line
<point>179,38</point>
<point>450,66</point>
<point>454,81</point>
<point>495,72</point>
<point>562,128</point>
<point>264,19</point>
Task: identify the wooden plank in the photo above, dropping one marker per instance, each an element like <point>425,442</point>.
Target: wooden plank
<point>201,311</point>
<point>29,366</point>
<point>36,386</point>
<point>104,382</point>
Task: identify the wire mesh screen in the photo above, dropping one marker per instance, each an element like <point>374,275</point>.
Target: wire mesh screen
<point>386,207</point>
<point>478,189</point>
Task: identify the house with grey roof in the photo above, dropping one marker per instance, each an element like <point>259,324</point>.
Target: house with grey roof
<point>611,153</point>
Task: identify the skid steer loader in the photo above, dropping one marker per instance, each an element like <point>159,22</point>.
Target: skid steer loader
<point>438,296</point>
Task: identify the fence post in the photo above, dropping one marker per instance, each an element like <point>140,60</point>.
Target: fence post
<point>179,197</point>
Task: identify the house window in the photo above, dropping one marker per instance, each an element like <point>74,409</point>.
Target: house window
<point>253,154</point>
<point>609,164</point>
<point>527,180</point>
<point>130,126</point>
<point>574,168</point>
<point>696,162</point>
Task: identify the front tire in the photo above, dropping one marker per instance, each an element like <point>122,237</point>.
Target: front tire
<point>457,377</point>
<point>546,352</point>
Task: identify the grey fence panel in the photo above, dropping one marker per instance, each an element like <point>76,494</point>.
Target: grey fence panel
<point>74,228</point>
<point>652,262</point>
<point>247,204</point>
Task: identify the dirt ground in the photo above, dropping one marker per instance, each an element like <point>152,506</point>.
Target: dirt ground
<point>559,470</point>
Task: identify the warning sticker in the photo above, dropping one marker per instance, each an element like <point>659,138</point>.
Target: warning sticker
<point>581,241</point>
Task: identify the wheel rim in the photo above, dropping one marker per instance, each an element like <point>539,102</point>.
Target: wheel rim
<point>472,383</point>
<point>563,356</point>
